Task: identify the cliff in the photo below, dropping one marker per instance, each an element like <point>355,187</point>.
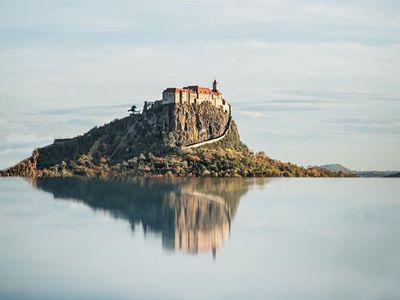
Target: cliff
<point>156,142</point>
<point>159,131</point>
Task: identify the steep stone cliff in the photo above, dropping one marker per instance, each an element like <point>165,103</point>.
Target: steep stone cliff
<point>195,124</point>
<point>159,130</point>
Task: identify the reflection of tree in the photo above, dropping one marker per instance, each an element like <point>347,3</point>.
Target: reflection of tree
<point>193,214</point>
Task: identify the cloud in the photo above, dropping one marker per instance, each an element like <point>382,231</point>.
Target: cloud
<point>259,108</point>
<point>88,110</point>
<point>294,101</point>
<point>12,138</point>
<point>248,70</point>
<point>367,125</point>
<point>128,21</point>
<point>342,95</point>
<point>249,114</point>
<point>274,107</point>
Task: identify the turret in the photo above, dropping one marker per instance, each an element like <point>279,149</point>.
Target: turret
<point>215,85</point>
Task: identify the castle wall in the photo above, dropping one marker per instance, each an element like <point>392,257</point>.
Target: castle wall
<point>195,95</point>
<point>192,98</point>
<point>184,97</point>
<point>170,97</point>
<point>226,107</point>
<point>204,97</point>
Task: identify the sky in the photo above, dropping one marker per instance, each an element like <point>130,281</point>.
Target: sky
<point>311,82</point>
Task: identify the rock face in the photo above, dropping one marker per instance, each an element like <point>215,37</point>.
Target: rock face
<point>159,130</point>
<point>25,168</point>
<point>195,124</point>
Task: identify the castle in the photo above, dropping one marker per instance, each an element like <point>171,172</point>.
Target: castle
<point>192,94</point>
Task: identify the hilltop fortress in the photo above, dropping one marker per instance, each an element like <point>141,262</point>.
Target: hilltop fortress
<point>192,94</point>
<point>189,132</point>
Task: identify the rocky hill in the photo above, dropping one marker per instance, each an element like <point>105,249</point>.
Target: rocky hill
<point>159,130</point>
<point>337,168</point>
<point>159,142</point>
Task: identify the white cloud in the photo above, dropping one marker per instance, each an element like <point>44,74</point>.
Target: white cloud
<point>121,74</point>
<point>250,114</point>
<point>13,138</point>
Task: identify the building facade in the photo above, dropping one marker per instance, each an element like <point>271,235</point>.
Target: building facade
<point>195,94</point>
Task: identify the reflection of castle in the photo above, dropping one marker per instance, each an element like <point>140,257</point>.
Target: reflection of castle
<point>201,222</point>
<point>193,215</point>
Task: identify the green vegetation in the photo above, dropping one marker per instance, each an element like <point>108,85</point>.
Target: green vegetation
<point>197,162</point>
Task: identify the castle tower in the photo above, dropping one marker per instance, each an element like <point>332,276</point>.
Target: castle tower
<point>215,85</point>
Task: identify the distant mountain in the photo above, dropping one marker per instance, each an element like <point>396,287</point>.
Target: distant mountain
<point>337,168</point>
<point>378,173</point>
<point>395,175</point>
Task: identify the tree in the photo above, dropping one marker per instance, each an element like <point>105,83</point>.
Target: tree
<point>133,109</point>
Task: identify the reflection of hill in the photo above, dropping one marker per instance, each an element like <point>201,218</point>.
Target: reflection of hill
<point>192,214</point>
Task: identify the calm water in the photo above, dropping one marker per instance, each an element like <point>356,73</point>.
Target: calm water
<point>200,239</point>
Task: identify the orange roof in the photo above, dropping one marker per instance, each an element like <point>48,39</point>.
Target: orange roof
<point>198,89</point>
<point>192,89</point>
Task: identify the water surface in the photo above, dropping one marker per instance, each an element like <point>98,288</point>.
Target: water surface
<point>199,238</point>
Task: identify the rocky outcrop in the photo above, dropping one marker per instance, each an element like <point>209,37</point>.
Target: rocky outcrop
<point>25,168</point>
<point>153,143</point>
<point>194,124</point>
<point>161,130</point>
